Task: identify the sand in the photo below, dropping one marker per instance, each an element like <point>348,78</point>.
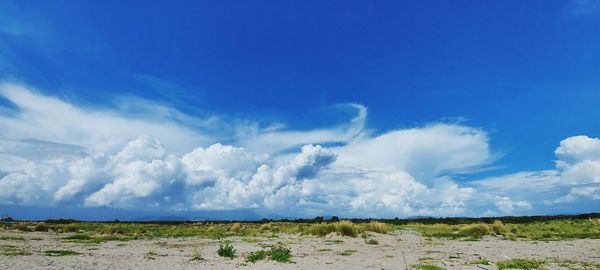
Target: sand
<point>399,250</point>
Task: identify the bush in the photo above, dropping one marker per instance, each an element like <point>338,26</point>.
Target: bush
<point>226,250</point>
<point>22,227</point>
<point>377,227</point>
<point>236,227</point>
<point>345,228</point>
<point>41,227</point>
<point>498,228</point>
<point>320,229</point>
<point>476,230</point>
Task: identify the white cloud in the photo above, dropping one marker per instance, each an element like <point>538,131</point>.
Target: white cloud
<point>424,152</point>
<point>54,120</point>
<point>53,152</point>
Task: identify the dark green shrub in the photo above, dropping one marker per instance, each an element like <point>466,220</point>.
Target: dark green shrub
<point>226,250</point>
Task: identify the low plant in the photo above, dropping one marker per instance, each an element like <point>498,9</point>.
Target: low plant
<point>256,256</point>
<point>226,250</point>
<point>524,263</point>
<point>429,267</point>
<point>481,261</point>
<point>347,252</point>
<point>280,254</point>
<point>10,250</point>
<point>372,241</point>
<point>58,253</point>
<point>197,253</point>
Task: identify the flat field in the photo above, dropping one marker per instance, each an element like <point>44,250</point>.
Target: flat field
<point>552,244</point>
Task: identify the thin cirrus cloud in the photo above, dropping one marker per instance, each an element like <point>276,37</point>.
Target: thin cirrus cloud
<point>56,153</point>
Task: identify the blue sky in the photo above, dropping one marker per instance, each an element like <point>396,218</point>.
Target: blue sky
<point>438,98</point>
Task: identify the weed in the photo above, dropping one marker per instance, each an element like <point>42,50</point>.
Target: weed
<point>372,241</point>
<point>236,227</point>
<point>41,227</point>
<point>481,261</point>
<point>280,254</point>
<point>12,238</point>
<point>10,250</point>
<point>58,253</point>
<point>226,250</point>
<point>428,267</point>
<point>347,252</point>
<point>197,253</point>
<point>256,256</point>
<point>525,264</point>
<point>425,259</point>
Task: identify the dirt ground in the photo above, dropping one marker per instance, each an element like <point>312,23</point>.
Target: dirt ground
<point>399,250</point>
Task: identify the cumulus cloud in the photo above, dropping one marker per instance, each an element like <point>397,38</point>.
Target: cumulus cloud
<point>576,177</point>
<point>54,153</point>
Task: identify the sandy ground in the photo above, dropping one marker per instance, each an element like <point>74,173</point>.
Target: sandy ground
<point>401,250</point>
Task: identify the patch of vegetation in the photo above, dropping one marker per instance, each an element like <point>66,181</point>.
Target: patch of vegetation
<point>10,250</point>
<point>372,241</point>
<point>197,253</point>
<point>58,253</point>
<point>226,250</point>
<point>347,252</point>
<point>525,264</point>
<point>324,250</point>
<point>256,256</point>
<point>88,239</point>
<point>428,267</point>
<point>41,227</point>
<point>481,261</point>
<point>425,259</point>
<point>280,254</point>
<point>12,238</point>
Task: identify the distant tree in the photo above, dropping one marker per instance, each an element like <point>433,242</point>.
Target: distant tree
<point>318,219</point>
<point>335,218</point>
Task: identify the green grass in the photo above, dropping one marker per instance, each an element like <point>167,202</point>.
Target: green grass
<point>428,267</point>
<point>98,232</point>
<point>481,261</point>
<point>525,264</point>
<point>256,256</point>
<point>425,259</point>
<point>88,239</point>
<point>278,254</point>
<point>372,241</point>
<point>226,250</point>
<point>10,250</point>
<point>347,252</point>
<point>58,253</point>
<point>324,250</point>
<point>12,238</point>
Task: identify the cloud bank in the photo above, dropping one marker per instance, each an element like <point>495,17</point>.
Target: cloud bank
<point>56,153</point>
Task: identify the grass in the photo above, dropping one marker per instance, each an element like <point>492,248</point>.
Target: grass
<point>347,252</point>
<point>12,238</point>
<point>89,239</point>
<point>226,250</point>
<point>481,261</point>
<point>98,232</point>
<point>372,241</point>
<point>59,253</point>
<point>428,267</point>
<point>278,254</point>
<point>10,250</point>
<point>256,256</point>
<point>525,264</point>
<point>197,253</point>
<point>550,230</point>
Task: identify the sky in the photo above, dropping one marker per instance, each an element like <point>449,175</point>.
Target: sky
<point>287,109</point>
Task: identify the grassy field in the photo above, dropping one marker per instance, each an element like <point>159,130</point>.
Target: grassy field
<point>98,232</point>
